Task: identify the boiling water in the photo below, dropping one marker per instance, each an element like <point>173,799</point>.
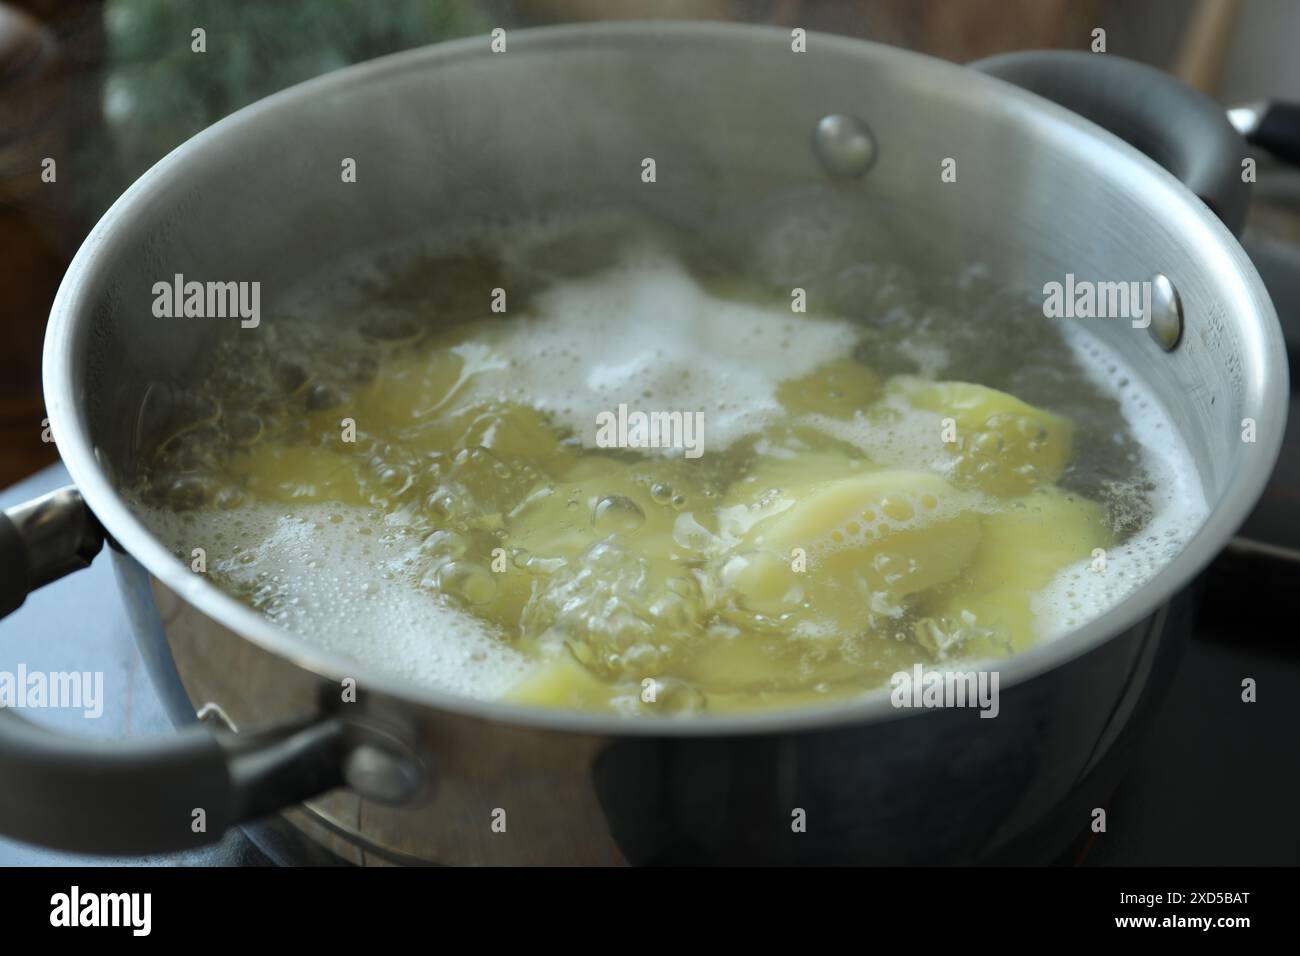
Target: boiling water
<point>473,533</point>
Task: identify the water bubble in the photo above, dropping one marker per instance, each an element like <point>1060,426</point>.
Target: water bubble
<point>444,544</point>
<point>616,514</point>
<point>189,491</point>
<point>386,325</point>
<point>470,582</point>
<point>228,498</point>
<point>899,509</point>
<point>289,375</point>
<point>321,397</point>
<point>243,428</point>
<point>362,370</point>
<point>690,534</point>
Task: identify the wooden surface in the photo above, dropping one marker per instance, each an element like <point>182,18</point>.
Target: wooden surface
<point>29,66</point>
<point>959,30</point>
<point>51,57</point>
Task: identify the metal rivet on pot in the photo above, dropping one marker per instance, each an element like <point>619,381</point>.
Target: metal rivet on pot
<point>844,145</point>
<point>381,774</point>
<point>1166,313</point>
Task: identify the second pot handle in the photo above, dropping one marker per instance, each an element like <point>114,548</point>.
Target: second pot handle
<point>1183,130</point>
<point>1273,125</point>
<point>136,796</point>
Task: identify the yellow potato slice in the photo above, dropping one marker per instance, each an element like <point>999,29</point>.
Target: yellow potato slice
<point>301,473</point>
<point>992,624</point>
<point>1022,547</point>
<point>858,545</point>
<point>1029,540</point>
<point>407,386</point>
<point>1004,446</point>
<point>791,465</point>
<point>413,384</point>
<point>562,682</point>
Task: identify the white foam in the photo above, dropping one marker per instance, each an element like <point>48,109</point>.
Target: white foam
<point>347,590</point>
<point>646,334</point>
<point>1078,593</point>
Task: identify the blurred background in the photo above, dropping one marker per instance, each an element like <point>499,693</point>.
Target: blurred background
<point>107,87</point>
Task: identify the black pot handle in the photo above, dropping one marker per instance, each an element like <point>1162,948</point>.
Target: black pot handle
<point>1183,130</point>
<point>1271,125</point>
<point>135,796</point>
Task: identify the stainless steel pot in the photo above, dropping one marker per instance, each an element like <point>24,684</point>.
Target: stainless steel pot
<point>561,121</point>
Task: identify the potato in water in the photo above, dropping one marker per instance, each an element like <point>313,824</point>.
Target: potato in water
<point>510,505</point>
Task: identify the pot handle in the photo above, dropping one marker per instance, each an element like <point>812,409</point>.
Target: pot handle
<point>1183,130</point>
<point>135,796</point>
<point>1273,125</point>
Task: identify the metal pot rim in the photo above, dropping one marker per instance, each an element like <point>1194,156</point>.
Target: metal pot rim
<point>1263,339</point>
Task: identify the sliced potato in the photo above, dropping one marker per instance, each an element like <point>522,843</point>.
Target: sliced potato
<point>852,547</point>
<point>1028,541</point>
<point>409,386</point>
<point>789,471</point>
<point>1004,446</point>
<point>302,473</point>
<point>1022,548</point>
<point>562,682</point>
